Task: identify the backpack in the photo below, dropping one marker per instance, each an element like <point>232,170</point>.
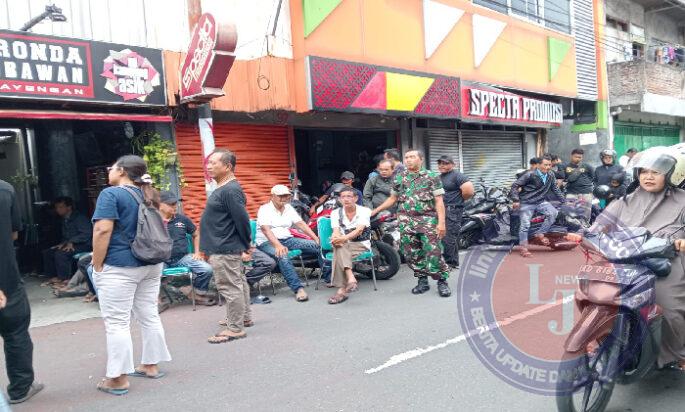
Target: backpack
<point>152,243</point>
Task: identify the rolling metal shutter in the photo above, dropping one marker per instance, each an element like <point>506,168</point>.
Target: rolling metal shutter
<point>492,156</point>
<point>442,142</point>
<point>263,160</point>
<point>586,63</point>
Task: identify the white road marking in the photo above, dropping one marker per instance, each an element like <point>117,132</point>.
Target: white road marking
<point>415,353</point>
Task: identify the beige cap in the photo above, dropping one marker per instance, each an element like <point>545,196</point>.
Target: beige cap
<point>280,190</point>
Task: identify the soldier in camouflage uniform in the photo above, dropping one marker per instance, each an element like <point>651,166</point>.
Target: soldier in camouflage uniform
<point>421,214</point>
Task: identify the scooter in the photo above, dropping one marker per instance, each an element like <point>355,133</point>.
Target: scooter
<point>618,335</point>
<point>385,243</point>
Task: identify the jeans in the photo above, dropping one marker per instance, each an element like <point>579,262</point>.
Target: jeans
<point>309,248</point>
<point>202,271</point>
<point>14,328</point>
<point>126,290</point>
<point>526,213</point>
<point>84,265</point>
<point>450,242</point>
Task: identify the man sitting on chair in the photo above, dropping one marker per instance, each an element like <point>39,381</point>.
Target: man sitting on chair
<point>275,220</point>
<point>351,237</point>
<point>179,226</point>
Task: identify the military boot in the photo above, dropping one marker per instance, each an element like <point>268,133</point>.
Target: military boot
<point>422,286</point>
<point>444,288</point>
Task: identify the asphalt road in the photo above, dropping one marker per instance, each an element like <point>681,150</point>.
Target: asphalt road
<point>308,357</point>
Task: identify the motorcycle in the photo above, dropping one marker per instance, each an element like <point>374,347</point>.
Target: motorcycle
<point>479,219</point>
<point>568,220</point>
<point>618,335</point>
<point>385,243</point>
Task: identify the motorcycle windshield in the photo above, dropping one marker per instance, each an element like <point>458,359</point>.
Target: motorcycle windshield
<point>628,245</point>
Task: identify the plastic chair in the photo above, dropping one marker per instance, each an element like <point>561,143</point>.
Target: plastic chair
<point>292,254</point>
<point>325,232</point>
<point>181,271</point>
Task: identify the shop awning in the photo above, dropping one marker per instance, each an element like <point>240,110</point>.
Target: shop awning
<point>55,114</point>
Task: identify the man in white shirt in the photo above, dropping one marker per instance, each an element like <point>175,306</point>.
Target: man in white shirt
<point>275,239</point>
<point>351,237</point>
<point>623,161</point>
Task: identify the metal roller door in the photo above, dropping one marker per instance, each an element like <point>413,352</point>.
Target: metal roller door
<point>493,157</point>
<point>442,142</point>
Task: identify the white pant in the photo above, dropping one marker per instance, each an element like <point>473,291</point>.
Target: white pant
<point>121,290</point>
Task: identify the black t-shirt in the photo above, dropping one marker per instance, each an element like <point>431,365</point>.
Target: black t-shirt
<point>451,182</point>
<point>179,227</point>
<point>225,225</point>
<point>10,221</point>
<point>580,178</point>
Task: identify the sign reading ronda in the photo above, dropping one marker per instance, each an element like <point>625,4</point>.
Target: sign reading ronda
<point>209,60</point>
<point>493,105</point>
<point>58,68</point>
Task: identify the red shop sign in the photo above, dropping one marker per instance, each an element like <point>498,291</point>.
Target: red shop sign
<point>209,60</point>
<point>487,104</point>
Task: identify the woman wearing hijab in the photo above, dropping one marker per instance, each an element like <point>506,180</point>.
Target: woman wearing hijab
<point>124,283</point>
<point>657,204</point>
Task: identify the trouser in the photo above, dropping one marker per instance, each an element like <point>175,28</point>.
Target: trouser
<point>342,259</point>
<point>58,263</point>
<point>84,265</point>
<point>262,265</point>
<point>233,287</point>
<point>421,246</point>
<point>527,211</point>
<point>584,202</point>
<point>120,292</point>
<point>309,248</point>
<point>450,242</point>
<point>14,328</point>
<point>202,271</point>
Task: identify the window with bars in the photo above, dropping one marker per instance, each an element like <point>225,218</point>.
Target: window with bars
<point>554,14</point>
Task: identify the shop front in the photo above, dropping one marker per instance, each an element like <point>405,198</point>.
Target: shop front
<point>68,109</point>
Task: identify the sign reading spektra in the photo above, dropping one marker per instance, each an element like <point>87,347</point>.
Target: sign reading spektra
<point>482,103</point>
<point>57,68</point>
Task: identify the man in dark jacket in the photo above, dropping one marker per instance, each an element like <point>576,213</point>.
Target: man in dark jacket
<point>529,193</point>
<point>15,312</point>
<point>608,169</point>
<point>579,178</point>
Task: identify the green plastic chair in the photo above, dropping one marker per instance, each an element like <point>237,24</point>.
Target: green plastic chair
<point>325,232</point>
<point>180,272</point>
<point>292,254</point>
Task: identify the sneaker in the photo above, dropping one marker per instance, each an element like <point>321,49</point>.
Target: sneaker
<point>422,286</point>
<point>444,289</point>
<point>33,389</point>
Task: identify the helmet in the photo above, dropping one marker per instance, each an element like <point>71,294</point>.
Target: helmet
<point>608,152</point>
<point>337,188</point>
<point>660,160</point>
<point>601,192</point>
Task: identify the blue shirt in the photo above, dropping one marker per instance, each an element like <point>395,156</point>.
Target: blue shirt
<point>543,176</point>
<point>115,203</point>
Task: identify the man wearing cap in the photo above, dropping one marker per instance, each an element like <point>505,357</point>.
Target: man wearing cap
<point>421,214</point>
<point>275,219</point>
<point>346,178</point>
<point>179,227</point>
<point>458,189</point>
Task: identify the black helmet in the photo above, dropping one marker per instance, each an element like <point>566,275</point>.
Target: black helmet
<point>337,188</point>
<point>608,152</point>
<point>601,192</point>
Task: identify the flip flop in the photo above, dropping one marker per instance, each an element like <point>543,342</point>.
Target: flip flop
<point>111,391</point>
<point>352,287</point>
<point>141,374</point>
<point>224,338</point>
<point>336,299</point>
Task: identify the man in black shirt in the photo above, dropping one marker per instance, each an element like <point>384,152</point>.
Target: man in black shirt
<point>15,312</point>
<point>77,237</point>
<point>579,180</point>
<point>458,189</point>
<point>225,236</point>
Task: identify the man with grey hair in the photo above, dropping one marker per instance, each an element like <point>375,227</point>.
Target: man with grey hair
<point>225,236</point>
<point>421,214</point>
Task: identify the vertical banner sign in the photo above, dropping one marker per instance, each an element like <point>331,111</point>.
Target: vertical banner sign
<point>209,60</point>
<point>204,73</point>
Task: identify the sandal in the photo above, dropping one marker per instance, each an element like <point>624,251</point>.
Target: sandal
<point>222,338</point>
<point>525,253</point>
<point>246,323</point>
<point>142,374</point>
<point>541,240</point>
<point>337,298</point>
<point>352,287</point>
<point>111,391</point>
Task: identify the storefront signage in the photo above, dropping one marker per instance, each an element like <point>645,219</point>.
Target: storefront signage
<point>209,60</point>
<point>58,68</point>
<point>482,103</point>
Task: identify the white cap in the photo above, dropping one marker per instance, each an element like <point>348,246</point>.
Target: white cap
<point>280,190</point>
